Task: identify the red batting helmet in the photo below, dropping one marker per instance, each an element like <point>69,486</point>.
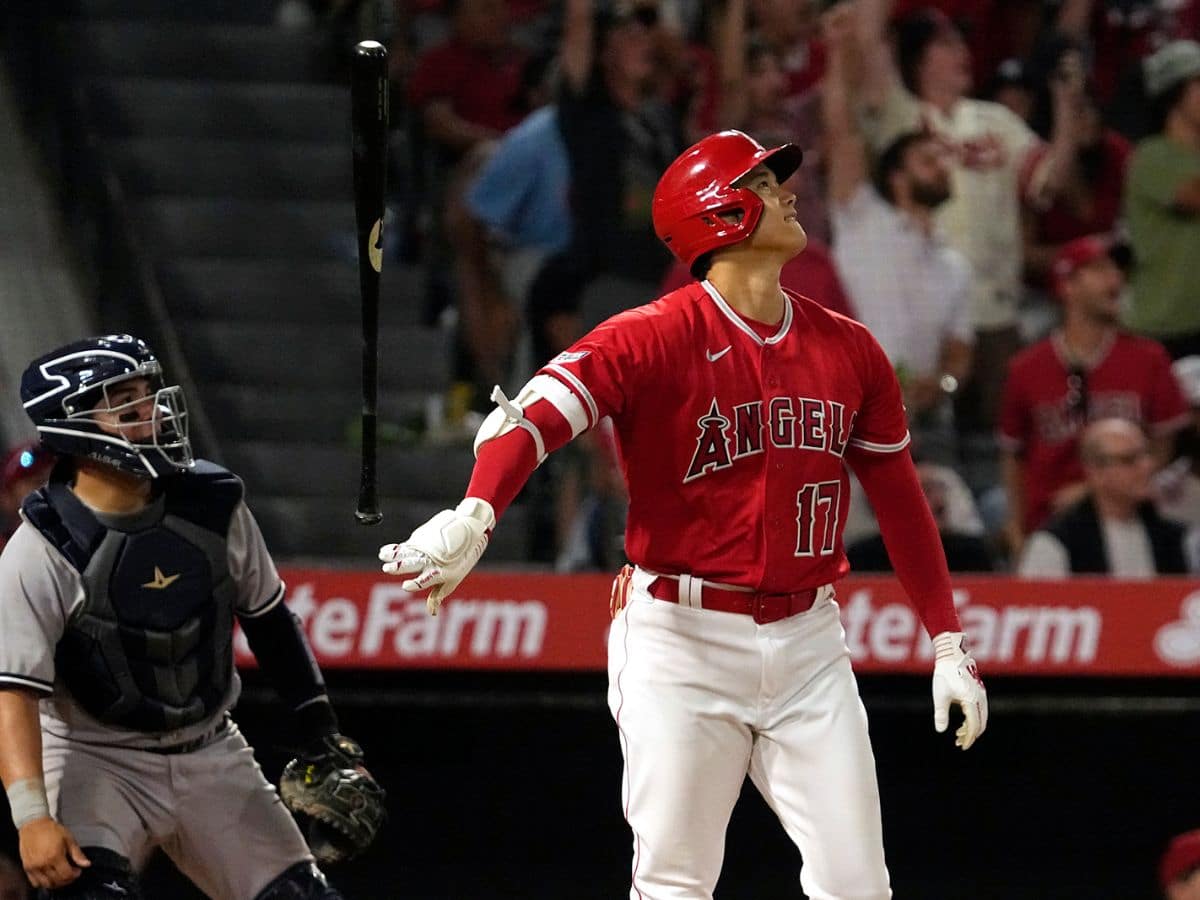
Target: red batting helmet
<point>698,188</point>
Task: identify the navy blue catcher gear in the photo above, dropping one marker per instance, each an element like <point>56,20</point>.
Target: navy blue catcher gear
<point>109,877</point>
<point>65,390</point>
<point>302,881</point>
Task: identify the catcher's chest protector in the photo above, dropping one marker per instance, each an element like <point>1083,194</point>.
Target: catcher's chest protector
<point>151,646</point>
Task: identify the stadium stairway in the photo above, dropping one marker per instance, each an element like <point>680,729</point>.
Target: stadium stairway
<point>230,145</point>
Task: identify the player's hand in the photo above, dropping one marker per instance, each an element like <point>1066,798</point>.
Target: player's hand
<point>49,854</point>
<point>440,553</point>
<point>956,680</point>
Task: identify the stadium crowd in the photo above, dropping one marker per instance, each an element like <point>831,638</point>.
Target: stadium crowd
<point>1008,194</point>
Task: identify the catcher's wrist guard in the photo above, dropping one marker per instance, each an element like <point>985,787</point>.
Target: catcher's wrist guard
<point>340,806</point>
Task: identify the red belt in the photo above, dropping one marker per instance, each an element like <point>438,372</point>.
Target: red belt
<point>763,608</point>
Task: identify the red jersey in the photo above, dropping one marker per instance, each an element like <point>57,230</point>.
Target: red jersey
<point>732,434</point>
<point>482,88</point>
<point>1041,417</point>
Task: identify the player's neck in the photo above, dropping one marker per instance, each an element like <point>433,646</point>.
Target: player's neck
<point>751,291</point>
<point>110,490</point>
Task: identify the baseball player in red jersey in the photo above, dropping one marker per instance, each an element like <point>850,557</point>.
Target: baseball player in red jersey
<point>736,408</point>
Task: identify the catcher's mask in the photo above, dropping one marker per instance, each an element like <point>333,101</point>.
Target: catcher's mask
<point>71,394</point>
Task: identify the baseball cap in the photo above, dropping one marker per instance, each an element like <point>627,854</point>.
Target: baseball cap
<point>1181,857</point>
<point>1074,255</point>
<point>1012,72</point>
<point>1187,373</point>
<point>1174,62</point>
<point>25,460</point>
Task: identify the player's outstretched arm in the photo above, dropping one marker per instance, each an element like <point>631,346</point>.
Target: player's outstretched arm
<point>915,549</point>
<point>511,444</point>
<point>49,854</point>
<point>440,553</point>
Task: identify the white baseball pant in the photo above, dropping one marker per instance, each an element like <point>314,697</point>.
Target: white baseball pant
<point>701,698</point>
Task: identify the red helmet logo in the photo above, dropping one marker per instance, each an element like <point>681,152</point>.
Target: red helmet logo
<point>697,190</point>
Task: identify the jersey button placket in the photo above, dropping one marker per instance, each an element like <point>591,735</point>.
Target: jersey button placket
<point>771,480</point>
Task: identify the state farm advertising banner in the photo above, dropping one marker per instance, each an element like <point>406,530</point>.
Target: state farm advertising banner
<point>365,620</point>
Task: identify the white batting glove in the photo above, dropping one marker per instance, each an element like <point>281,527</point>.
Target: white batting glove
<point>956,680</point>
<point>440,553</point>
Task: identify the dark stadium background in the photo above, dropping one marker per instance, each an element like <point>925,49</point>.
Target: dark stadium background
<point>508,786</point>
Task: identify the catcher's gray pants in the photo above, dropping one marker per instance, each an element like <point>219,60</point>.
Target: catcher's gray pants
<point>210,810</point>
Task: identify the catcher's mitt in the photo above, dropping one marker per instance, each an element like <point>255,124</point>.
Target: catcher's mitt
<point>329,787</point>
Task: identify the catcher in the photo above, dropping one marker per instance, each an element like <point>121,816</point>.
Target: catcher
<point>118,594</point>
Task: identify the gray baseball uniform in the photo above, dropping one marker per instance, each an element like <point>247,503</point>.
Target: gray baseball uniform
<point>209,808</point>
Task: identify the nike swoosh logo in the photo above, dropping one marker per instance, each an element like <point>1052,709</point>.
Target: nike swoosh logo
<point>713,357</point>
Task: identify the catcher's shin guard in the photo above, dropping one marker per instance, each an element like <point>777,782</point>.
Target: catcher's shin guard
<point>302,881</point>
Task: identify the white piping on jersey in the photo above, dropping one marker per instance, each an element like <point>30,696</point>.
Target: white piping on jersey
<point>266,607</point>
<point>63,381</point>
<point>741,323</point>
<point>882,448</point>
<point>580,390</point>
<point>27,681</point>
<point>562,398</point>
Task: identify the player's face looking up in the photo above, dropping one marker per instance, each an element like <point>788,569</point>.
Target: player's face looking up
<point>127,410</point>
<point>777,228</point>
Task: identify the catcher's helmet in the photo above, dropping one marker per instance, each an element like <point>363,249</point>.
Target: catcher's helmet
<point>62,389</point>
<point>698,188</point>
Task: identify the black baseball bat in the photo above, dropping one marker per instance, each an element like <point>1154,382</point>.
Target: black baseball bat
<point>369,114</point>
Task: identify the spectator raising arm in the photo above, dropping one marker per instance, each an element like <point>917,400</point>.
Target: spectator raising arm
<point>879,73</point>
<point>847,151</point>
<point>732,65</point>
<point>451,130</point>
<point>1055,170</point>
<point>577,45</point>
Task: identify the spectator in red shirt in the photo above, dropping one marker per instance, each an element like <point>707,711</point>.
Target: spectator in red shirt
<point>1086,370</point>
<point>469,89</point>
